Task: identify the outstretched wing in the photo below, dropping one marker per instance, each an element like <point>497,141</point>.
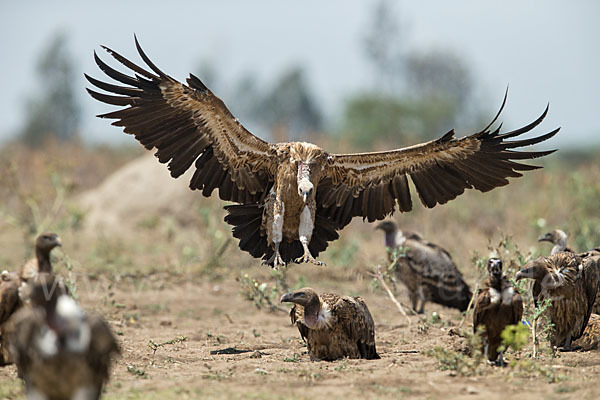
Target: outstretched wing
<point>370,184</point>
<point>188,125</point>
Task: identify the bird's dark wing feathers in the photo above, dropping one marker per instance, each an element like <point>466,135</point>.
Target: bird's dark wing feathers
<point>187,124</point>
<point>371,184</point>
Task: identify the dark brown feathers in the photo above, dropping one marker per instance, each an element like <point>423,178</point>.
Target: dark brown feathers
<point>426,269</point>
<point>9,302</point>
<point>333,326</point>
<point>497,305</point>
<point>190,127</point>
<point>571,283</point>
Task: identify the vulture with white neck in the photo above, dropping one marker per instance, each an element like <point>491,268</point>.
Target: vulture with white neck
<point>333,326</point>
<point>294,197</point>
<point>571,283</point>
<point>426,269</point>
<point>498,305</point>
<point>558,238</point>
<point>61,352</point>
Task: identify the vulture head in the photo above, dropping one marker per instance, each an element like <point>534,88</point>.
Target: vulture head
<point>309,160</point>
<point>494,267</point>
<point>309,299</point>
<point>556,237</point>
<point>390,229</point>
<point>45,242</point>
<point>534,269</point>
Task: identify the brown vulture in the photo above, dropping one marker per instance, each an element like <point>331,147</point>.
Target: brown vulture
<point>426,269</point>
<point>498,304</point>
<point>571,283</point>
<point>14,287</point>
<point>9,302</point>
<point>60,351</point>
<point>590,340</point>
<point>558,238</point>
<point>333,326</point>
<point>294,197</point>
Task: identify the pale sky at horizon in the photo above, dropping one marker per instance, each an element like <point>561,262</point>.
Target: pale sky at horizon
<point>546,50</point>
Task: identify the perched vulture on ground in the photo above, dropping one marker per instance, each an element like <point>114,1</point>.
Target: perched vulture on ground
<point>333,326</point>
<point>14,287</point>
<point>60,351</point>
<point>590,340</point>
<point>498,305</point>
<point>9,302</point>
<point>571,283</point>
<point>558,238</point>
<point>426,269</point>
<point>294,197</point>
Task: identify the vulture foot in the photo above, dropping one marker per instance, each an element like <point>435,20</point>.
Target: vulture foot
<point>308,258</point>
<point>566,349</point>
<point>275,261</point>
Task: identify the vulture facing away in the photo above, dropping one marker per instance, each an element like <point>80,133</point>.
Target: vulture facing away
<point>294,197</point>
<point>426,269</point>
<point>498,305</point>
<point>571,283</point>
<point>60,351</point>
<point>333,326</point>
<point>15,288</point>
<point>558,238</point>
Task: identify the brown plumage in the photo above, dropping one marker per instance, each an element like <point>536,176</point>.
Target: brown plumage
<point>426,269</point>
<point>293,197</point>
<point>333,326</point>
<point>15,289</point>
<point>9,302</point>
<point>571,283</point>
<point>590,340</point>
<point>498,304</point>
<point>60,351</point>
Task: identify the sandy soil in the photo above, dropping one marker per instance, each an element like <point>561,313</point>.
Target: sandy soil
<point>272,362</point>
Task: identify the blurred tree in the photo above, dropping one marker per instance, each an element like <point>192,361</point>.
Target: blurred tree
<point>420,96</point>
<point>54,111</point>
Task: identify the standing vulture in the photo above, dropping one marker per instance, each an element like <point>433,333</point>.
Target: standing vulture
<point>571,283</point>
<point>294,197</point>
<point>15,289</point>
<point>426,269</point>
<point>498,305</point>
<point>333,326</point>
<point>60,351</point>
<point>558,238</point>
<point>9,302</point>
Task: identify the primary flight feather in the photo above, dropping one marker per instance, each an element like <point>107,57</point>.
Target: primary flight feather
<point>294,197</point>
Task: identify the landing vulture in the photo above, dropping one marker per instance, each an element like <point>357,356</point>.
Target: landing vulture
<point>333,326</point>
<point>294,197</point>
<point>426,269</point>
<point>498,305</point>
<point>571,283</point>
<point>60,351</point>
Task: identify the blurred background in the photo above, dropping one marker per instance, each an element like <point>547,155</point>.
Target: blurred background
<point>348,75</point>
<point>374,73</point>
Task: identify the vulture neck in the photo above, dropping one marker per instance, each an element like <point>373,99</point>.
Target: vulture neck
<point>312,314</point>
<point>496,281</point>
<point>558,247</point>
<point>43,259</point>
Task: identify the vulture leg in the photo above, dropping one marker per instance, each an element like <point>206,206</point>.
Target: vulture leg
<point>413,300</point>
<point>501,362</point>
<point>567,346</point>
<point>275,259</point>
<point>305,233</point>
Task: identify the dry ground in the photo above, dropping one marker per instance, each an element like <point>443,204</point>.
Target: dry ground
<point>154,273</point>
<point>274,364</point>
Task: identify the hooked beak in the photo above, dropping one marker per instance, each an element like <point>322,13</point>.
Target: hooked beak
<point>524,273</point>
<point>544,238</point>
<point>305,196</point>
<point>286,298</point>
<point>58,241</point>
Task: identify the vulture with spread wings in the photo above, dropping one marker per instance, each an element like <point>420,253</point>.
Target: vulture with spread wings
<point>294,197</point>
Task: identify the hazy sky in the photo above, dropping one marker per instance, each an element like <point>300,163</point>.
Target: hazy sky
<point>548,51</point>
